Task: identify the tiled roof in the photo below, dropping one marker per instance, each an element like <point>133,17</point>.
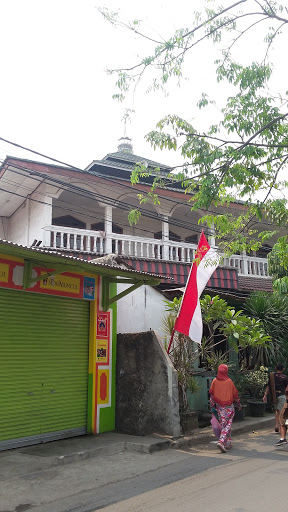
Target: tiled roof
<point>130,159</point>
<point>251,283</point>
<point>127,161</point>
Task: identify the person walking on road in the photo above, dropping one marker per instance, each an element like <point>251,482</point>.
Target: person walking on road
<point>277,385</point>
<point>223,394</point>
<point>283,422</point>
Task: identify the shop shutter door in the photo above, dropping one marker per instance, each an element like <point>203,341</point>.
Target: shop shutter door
<point>44,367</point>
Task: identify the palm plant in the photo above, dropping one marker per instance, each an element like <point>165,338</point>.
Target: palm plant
<point>272,311</point>
<point>168,322</point>
<point>182,355</point>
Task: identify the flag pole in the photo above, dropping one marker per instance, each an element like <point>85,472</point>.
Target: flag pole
<point>171,339</point>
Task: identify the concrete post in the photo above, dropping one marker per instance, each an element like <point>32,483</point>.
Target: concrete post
<point>108,228</point>
<point>211,237</point>
<point>165,238</point>
<point>244,265</point>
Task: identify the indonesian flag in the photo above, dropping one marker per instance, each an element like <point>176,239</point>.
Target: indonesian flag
<point>189,319</point>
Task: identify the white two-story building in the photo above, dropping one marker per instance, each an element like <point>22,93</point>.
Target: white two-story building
<point>85,213</point>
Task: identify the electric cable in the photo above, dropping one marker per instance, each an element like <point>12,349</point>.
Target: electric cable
<point>104,199</point>
<point>159,217</point>
<point>209,210</point>
<point>172,221</point>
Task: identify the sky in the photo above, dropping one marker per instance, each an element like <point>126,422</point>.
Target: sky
<point>56,97</point>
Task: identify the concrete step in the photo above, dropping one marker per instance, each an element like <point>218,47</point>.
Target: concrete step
<point>40,457</point>
<point>32,459</point>
<point>205,435</point>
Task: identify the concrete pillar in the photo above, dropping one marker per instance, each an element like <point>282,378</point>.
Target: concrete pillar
<point>108,228</point>
<point>244,264</point>
<point>165,238</point>
<point>211,237</point>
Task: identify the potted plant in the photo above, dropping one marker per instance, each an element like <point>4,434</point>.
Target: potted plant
<point>186,382</point>
<point>239,381</point>
<point>255,382</point>
<point>181,355</point>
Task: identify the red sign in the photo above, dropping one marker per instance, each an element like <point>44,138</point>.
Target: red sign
<point>66,284</point>
<point>103,325</point>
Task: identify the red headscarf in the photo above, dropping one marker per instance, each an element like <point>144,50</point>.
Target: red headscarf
<point>222,388</point>
<point>222,372</point>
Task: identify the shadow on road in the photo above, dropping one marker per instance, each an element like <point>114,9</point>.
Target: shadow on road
<point>202,458</point>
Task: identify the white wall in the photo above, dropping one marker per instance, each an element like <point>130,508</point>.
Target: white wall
<point>140,311</point>
<point>40,215</point>
<point>4,228</point>
<point>27,223</point>
<point>18,225</point>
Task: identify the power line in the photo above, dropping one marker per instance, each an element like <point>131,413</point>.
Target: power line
<point>109,179</point>
<point>39,154</point>
<point>104,199</point>
<point>83,192</point>
<point>76,168</point>
<point>93,216</point>
<point>119,204</point>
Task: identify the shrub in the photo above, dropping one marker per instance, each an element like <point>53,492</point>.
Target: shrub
<point>255,382</point>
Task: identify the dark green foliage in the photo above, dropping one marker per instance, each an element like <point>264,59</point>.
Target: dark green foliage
<point>272,311</point>
<point>242,157</point>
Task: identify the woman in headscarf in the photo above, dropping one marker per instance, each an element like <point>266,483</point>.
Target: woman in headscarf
<point>223,394</point>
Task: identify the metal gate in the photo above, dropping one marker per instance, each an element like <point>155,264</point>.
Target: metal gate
<point>44,367</point>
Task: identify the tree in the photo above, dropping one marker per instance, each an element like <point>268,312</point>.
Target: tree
<point>223,325</point>
<point>278,265</point>
<point>245,155</point>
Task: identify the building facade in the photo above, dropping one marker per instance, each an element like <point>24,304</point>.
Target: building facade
<point>84,213</point>
<point>58,330</point>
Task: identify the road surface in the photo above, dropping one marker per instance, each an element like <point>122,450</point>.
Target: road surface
<point>251,477</point>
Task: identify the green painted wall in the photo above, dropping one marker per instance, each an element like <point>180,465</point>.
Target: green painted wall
<point>200,401</point>
<point>107,414</point>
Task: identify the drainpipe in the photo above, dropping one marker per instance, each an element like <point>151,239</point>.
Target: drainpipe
<point>28,220</point>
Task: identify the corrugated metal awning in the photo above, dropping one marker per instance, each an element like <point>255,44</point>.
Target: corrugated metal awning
<point>222,278</point>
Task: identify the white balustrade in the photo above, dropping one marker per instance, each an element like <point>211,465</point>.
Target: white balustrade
<point>248,265</point>
<point>74,239</point>
<point>79,240</point>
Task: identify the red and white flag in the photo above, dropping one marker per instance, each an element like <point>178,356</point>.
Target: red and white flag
<point>189,319</point>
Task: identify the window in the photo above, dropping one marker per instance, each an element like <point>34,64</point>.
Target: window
<point>68,221</point>
<point>263,251</point>
<point>192,239</point>
<point>172,236</point>
<point>99,226</point>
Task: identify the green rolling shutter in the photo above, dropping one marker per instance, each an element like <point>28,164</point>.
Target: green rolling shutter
<point>44,367</point>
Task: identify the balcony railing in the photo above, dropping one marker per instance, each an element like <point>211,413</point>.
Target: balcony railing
<point>58,237</point>
<point>97,242</point>
<point>248,265</point>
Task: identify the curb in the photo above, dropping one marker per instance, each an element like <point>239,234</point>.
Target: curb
<point>237,429</point>
<point>20,462</point>
<point>148,447</point>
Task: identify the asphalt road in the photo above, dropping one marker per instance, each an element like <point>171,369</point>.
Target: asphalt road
<point>251,477</point>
